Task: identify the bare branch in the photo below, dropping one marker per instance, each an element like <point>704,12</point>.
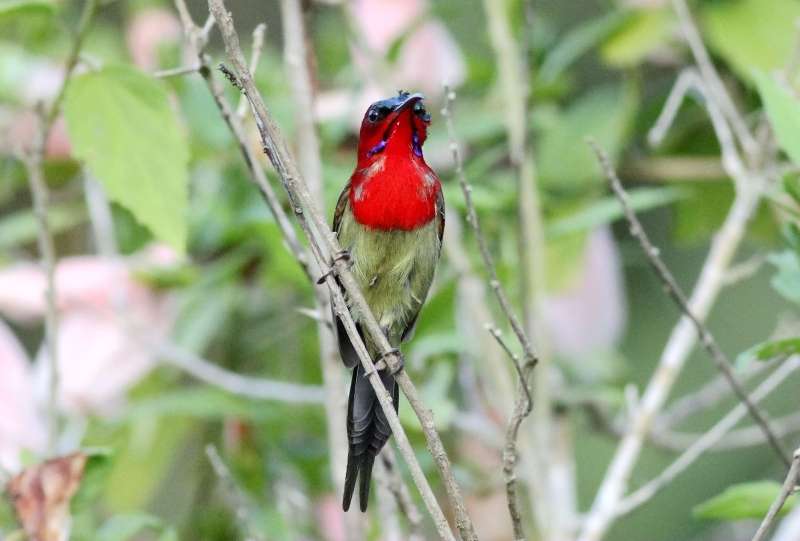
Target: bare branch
<point>789,486</point>
<point>524,403</point>
<point>720,95</point>
<point>323,242</point>
<point>176,72</point>
<point>34,164</point>
<point>399,491</point>
<point>255,56</point>
<point>675,292</point>
<point>251,387</point>
<point>238,500</point>
<point>706,441</point>
<point>300,77</point>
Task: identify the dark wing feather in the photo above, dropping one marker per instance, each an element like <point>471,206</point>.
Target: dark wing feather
<point>346,349</point>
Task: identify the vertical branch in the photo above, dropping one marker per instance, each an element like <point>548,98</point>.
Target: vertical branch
<point>34,164</point>
<point>300,77</point>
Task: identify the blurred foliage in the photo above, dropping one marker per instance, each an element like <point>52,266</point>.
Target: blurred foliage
<point>164,156</point>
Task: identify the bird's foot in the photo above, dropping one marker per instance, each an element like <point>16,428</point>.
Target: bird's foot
<point>382,364</point>
<point>341,255</point>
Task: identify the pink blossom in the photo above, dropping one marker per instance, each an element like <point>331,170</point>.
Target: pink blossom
<point>150,29</point>
<point>427,57</point>
<point>102,308</point>
<point>590,315</point>
<point>21,427</point>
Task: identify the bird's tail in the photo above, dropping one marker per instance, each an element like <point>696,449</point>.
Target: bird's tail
<point>367,433</point>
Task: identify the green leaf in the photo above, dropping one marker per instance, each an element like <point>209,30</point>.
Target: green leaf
<point>576,43</point>
<point>566,163</point>
<point>778,348</point>
<point>752,33</point>
<point>95,473</point>
<point>124,527</point>
<point>783,111</point>
<point>121,124</point>
<point>742,501</point>
<point>9,8</point>
<point>608,209</point>
<point>643,32</point>
<point>21,227</point>
<point>787,280</point>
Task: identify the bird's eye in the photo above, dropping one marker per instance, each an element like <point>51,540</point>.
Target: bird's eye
<point>373,115</point>
<point>419,108</point>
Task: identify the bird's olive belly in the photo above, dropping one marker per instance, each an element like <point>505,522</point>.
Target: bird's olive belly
<point>394,269</point>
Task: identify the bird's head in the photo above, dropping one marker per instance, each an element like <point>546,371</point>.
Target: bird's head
<point>397,126</point>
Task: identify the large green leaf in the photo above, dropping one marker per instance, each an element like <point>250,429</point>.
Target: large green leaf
<point>121,124</point>
<point>783,111</point>
<point>745,500</point>
<point>9,8</point>
<point>643,32</point>
<point>566,163</point>
<point>752,33</point>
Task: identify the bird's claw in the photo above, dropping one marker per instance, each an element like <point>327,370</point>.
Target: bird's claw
<point>341,255</point>
<point>382,364</point>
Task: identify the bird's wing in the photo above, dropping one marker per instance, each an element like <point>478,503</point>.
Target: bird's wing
<point>346,349</point>
<point>341,205</point>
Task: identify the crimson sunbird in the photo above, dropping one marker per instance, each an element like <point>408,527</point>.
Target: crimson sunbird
<point>389,221</point>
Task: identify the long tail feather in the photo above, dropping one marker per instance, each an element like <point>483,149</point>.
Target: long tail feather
<point>367,433</point>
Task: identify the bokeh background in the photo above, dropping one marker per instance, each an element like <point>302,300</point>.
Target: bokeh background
<point>222,285</point>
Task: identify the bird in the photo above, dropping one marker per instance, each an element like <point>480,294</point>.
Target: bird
<point>389,221</point>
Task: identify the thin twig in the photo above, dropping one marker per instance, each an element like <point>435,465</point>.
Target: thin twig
<point>400,492</point>
<point>322,241</point>
<point>706,441</point>
<point>251,387</point>
<point>789,486</point>
<point>34,164</point>
<point>676,293</point>
<point>712,78</point>
<point>706,396</point>
<point>524,402</point>
<point>255,57</point>
<point>239,502</point>
<point>176,72</point>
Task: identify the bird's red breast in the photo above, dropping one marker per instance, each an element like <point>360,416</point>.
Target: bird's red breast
<point>394,188</point>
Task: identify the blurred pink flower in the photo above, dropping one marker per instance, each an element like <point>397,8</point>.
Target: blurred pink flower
<point>101,308</point>
<point>427,57</point>
<point>590,316</point>
<point>21,428</point>
<point>148,30</point>
<point>331,519</point>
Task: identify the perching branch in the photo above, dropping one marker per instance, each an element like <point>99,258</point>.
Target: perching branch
<point>324,247</point>
<point>524,402</point>
<point>790,485</point>
<point>676,293</point>
<point>296,54</point>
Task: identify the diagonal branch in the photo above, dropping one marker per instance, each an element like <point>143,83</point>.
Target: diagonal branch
<point>675,292</point>
<point>324,246</point>
<point>707,441</point>
<point>789,486</point>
